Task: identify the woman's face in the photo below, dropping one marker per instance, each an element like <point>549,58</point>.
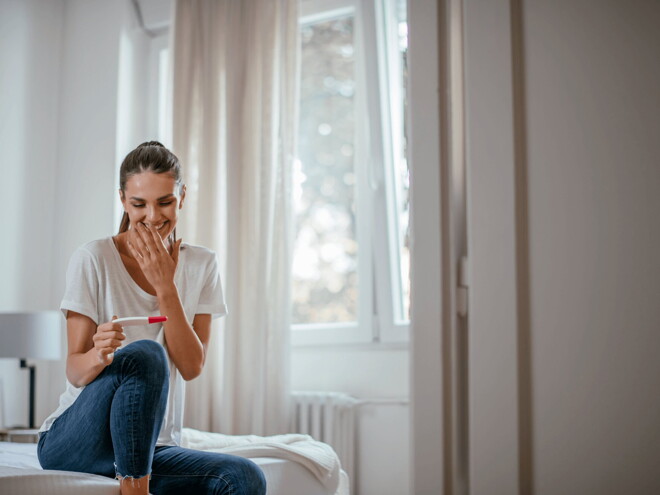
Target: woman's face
<point>153,199</point>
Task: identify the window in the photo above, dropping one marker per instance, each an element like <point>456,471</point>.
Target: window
<point>159,88</point>
<point>350,263</point>
<point>351,258</point>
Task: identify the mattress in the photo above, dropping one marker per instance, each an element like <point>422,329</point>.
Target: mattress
<point>20,474</point>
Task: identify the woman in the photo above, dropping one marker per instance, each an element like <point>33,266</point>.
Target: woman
<point>122,412</point>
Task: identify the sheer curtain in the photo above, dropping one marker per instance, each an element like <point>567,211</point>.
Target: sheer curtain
<point>235,73</point>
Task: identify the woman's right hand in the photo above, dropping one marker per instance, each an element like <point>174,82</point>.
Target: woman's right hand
<point>107,340</point>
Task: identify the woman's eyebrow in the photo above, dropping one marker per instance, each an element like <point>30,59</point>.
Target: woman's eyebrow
<point>135,198</point>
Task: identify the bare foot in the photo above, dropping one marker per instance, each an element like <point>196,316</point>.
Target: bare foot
<point>134,486</point>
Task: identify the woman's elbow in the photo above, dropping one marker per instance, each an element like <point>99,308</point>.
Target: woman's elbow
<point>191,372</point>
<point>74,380</point>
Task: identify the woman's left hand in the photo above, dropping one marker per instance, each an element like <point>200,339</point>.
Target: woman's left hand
<point>147,247</point>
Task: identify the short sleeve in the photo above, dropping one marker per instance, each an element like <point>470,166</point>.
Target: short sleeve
<point>211,298</point>
<point>81,292</point>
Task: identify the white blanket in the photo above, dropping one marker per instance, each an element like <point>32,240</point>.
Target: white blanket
<point>316,456</point>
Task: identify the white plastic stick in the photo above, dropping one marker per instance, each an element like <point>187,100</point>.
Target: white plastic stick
<point>139,320</point>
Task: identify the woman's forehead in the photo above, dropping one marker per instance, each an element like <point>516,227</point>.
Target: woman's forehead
<point>148,183</point>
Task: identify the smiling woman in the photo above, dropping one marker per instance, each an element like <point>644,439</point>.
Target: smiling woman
<point>122,412</point>
<point>164,177</point>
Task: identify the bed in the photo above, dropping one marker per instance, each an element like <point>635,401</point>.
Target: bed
<point>292,464</point>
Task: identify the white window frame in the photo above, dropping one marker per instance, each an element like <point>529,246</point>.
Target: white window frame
<point>360,331</point>
<point>377,234</point>
<point>394,327</point>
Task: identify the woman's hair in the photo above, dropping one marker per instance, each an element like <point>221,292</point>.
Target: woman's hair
<point>153,157</point>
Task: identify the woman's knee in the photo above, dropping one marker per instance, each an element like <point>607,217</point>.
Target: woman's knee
<point>148,355</point>
<point>244,477</point>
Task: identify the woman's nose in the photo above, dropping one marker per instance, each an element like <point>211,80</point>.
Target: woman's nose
<point>152,214</point>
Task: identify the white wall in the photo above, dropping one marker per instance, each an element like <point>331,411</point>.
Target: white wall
<point>30,54</point>
<point>85,184</point>
<point>563,155</point>
<point>593,121</point>
<point>88,126</point>
<point>59,119</point>
<point>382,451</point>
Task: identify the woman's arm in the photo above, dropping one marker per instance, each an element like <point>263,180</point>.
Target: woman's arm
<point>91,348</point>
<point>186,343</point>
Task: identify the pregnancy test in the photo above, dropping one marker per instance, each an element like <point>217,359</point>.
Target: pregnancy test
<point>139,320</point>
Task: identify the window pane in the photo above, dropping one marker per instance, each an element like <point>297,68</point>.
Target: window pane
<point>163,67</point>
<point>325,285</point>
<point>400,160</point>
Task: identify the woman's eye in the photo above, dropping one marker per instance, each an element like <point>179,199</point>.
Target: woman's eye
<point>165,203</point>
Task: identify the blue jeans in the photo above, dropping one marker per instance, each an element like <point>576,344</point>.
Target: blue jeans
<point>112,427</point>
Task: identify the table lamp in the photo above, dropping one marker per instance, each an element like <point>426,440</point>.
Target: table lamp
<point>34,335</point>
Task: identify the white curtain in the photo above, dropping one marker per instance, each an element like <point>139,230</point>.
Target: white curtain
<point>235,73</point>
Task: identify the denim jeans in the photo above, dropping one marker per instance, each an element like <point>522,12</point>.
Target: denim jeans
<point>112,427</point>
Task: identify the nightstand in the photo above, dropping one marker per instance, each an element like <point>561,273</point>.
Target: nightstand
<point>20,435</point>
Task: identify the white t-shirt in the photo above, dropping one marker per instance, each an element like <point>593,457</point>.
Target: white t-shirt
<point>99,286</point>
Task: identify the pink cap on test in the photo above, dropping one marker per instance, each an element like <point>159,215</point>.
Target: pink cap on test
<point>157,319</point>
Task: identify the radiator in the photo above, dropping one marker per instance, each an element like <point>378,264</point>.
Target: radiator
<point>329,417</point>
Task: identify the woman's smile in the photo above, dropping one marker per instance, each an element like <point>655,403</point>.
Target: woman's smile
<point>156,226</point>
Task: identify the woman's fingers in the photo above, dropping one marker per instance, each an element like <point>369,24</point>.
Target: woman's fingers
<point>105,350</point>
<point>148,248</point>
<point>139,243</point>
<point>175,251</point>
<point>106,355</point>
<point>108,335</point>
<point>154,240</point>
<point>110,341</point>
<point>134,252</point>
<point>113,345</point>
<point>109,326</point>
<point>107,339</point>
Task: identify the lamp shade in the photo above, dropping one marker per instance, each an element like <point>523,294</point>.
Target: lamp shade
<point>34,335</point>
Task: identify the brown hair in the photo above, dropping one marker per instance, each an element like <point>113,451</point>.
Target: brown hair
<point>150,156</point>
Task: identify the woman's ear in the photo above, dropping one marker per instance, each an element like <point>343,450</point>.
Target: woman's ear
<point>183,196</point>
<point>122,198</point>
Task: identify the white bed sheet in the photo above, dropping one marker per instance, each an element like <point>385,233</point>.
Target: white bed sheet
<point>20,474</point>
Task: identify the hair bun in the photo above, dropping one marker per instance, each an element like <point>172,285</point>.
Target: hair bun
<point>152,143</point>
